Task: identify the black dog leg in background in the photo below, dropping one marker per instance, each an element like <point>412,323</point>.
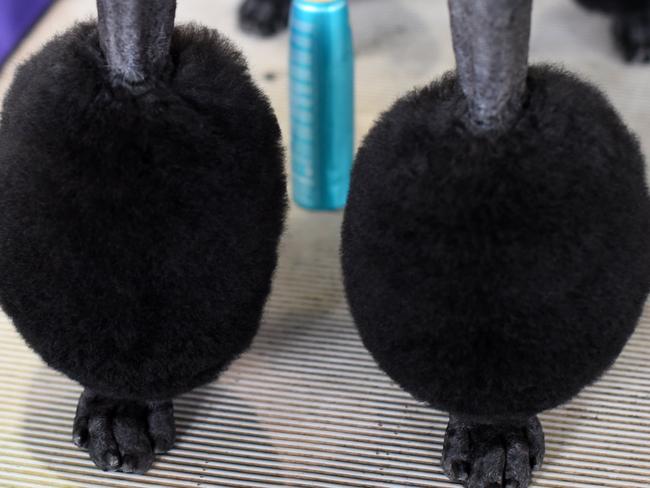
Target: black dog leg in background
<point>632,34</point>
<point>630,26</point>
<point>264,17</point>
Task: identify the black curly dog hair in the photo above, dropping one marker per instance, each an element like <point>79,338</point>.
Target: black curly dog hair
<point>498,276</point>
<point>139,224</point>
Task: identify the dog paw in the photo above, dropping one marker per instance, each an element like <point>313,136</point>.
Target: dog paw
<point>492,456</point>
<point>632,34</point>
<point>264,17</point>
<point>123,435</point>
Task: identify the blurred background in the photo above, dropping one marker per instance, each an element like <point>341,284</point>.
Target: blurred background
<point>307,406</point>
<point>399,44</point>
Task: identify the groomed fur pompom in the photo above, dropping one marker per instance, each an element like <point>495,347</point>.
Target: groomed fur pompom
<point>496,275</point>
<point>138,227</point>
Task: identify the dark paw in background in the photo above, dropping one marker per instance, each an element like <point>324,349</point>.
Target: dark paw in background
<point>632,34</point>
<point>631,26</point>
<point>264,17</point>
<point>123,435</point>
<point>492,456</point>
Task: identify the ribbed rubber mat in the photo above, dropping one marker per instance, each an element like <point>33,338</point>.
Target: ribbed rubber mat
<point>307,407</point>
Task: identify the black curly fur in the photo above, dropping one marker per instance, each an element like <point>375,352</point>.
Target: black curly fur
<point>139,227</point>
<point>494,276</point>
